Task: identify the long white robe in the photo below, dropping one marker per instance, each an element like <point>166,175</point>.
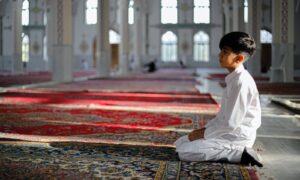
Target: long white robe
<point>233,128</point>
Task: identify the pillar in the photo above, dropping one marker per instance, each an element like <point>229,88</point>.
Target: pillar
<point>16,20</point>
<point>254,26</point>
<point>36,17</point>
<point>282,69</point>
<point>238,23</point>
<point>227,15</point>
<point>61,17</point>
<point>103,49</point>
<point>124,33</point>
<point>138,15</point>
<point>49,35</point>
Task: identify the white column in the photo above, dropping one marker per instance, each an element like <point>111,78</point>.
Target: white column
<point>254,26</point>
<point>282,69</point>
<point>238,15</point>
<point>62,40</point>
<point>16,36</point>
<point>103,49</point>
<point>124,33</point>
<point>50,35</point>
<point>36,61</point>
<point>138,15</point>
<point>1,41</point>
<point>227,14</point>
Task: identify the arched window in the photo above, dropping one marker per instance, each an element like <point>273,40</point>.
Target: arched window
<point>245,11</point>
<point>169,11</point>
<point>201,11</point>
<point>91,7</point>
<point>131,12</point>
<point>114,37</point>
<point>265,36</point>
<point>45,52</point>
<point>201,46</point>
<point>25,13</point>
<point>169,47</point>
<point>25,47</point>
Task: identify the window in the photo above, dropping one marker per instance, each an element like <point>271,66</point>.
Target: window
<point>45,52</point>
<point>25,13</point>
<point>246,11</point>
<point>114,37</point>
<point>169,11</point>
<point>201,46</point>
<point>25,47</point>
<point>169,47</point>
<point>131,12</point>
<point>265,36</point>
<point>91,11</point>
<point>201,11</point>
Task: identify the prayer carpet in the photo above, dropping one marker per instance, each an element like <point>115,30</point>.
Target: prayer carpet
<point>7,80</point>
<point>192,102</point>
<point>50,124</point>
<point>88,161</point>
<point>111,85</point>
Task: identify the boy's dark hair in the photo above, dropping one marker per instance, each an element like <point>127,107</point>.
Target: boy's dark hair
<point>239,42</point>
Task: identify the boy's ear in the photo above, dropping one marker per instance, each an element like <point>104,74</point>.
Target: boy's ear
<point>240,58</point>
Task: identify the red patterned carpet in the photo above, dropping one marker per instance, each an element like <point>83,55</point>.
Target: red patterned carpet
<point>191,102</point>
<point>7,80</point>
<point>111,85</point>
<point>42,123</point>
<point>115,128</point>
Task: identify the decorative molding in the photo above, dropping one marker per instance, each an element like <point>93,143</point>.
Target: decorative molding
<point>254,20</point>
<point>186,26</point>
<point>284,21</point>
<point>35,47</point>
<point>60,22</point>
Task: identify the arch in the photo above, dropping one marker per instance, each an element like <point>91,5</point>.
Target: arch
<point>169,47</point>
<point>131,12</point>
<point>45,50</point>
<point>114,37</point>
<point>245,11</point>
<point>25,47</point>
<point>265,36</point>
<point>201,46</point>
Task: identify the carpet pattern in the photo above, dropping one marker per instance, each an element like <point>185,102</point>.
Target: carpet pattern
<point>110,85</point>
<point>7,80</point>
<point>88,161</point>
<point>194,102</point>
<point>113,126</point>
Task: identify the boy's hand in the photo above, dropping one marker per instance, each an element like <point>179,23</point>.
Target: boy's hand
<point>196,134</point>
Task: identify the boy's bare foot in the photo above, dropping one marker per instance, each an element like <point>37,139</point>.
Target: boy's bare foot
<point>249,156</point>
<point>196,134</point>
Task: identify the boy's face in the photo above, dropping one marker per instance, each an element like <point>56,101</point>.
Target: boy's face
<point>230,60</point>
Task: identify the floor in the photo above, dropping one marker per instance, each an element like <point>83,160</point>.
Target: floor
<point>278,139</point>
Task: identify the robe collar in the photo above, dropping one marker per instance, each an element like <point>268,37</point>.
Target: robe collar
<point>234,73</point>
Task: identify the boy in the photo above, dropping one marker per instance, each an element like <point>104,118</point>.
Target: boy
<point>231,134</point>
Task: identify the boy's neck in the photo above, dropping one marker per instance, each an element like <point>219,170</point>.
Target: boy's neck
<point>233,68</point>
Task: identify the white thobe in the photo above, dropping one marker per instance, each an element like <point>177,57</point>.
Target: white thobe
<point>233,128</point>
